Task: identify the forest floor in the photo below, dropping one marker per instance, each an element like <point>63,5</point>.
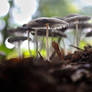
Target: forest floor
<point>69,73</point>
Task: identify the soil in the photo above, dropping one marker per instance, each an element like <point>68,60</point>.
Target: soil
<point>62,73</point>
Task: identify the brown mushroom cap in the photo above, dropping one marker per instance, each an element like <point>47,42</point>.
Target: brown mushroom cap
<point>78,19</point>
<point>80,26</point>
<point>40,23</point>
<point>68,17</point>
<point>18,30</point>
<point>75,18</point>
<point>51,33</point>
<point>89,34</point>
<point>63,29</point>
<point>17,39</point>
<point>71,15</point>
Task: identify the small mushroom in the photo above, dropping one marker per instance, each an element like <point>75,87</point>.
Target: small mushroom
<point>51,33</point>
<point>20,32</point>
<point>76,20</point>
<point>81,26</point>
<point>17,40</point>
<point>46,23</point>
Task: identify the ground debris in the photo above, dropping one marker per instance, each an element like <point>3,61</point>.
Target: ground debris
<point>37,75</point>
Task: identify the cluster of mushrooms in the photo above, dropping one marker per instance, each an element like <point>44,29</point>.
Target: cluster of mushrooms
<point>50,27</point>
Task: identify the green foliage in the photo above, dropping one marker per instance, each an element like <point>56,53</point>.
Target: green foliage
<point>5,49</point>
<point>56,8</point>
<point>82,44</point>
<point>26,53</point>
<point>12,54</point>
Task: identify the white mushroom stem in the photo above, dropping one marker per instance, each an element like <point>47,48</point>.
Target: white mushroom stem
<point>36,42</point>
<point>19,50</point>
<point>41,44</point>
<point>29,43</point>
<point>47,46</point>
<point>77,35</point>
<point>80,32</point>
<point>74,40</point>
<point>64,46</point>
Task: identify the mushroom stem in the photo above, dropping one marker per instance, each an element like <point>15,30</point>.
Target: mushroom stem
<point>36,42</point>
<point>29,43</point>
<point>80,32</point>
<point>74,41</point>
<point>19,50</point>
<point>64,45</point>
<point>59,39</point>
<point>41,44</point>
<point>47,46</point>
<point>77,35</point>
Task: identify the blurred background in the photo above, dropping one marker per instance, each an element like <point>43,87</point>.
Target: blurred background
<point>14,13</point>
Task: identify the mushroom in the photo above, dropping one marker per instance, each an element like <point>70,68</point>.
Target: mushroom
<point>17,40</point>
<point>20,31</point>
<point>63,29</point>
<point>81,26</point>
<point>47,24</point>
<point>76,20</point>
<point>51,33</point>
<point>89,34</point>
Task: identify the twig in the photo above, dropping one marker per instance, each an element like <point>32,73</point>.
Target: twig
<point>76,47</point>
<point>57,50</point>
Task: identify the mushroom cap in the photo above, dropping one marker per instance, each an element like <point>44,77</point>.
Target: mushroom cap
<point>40,23</point>
<point>78,19</point>
<point>18,30</point>
<point>68,17</point>
<point>63,29</point>
<point>17,39</point>
<point>71,15</point>
<point>15,30</point>
<point>80,26</point>
<point>52,33</point>
<point>89,34</point>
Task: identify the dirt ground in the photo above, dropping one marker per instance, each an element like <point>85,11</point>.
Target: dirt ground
<point>62,73</point>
